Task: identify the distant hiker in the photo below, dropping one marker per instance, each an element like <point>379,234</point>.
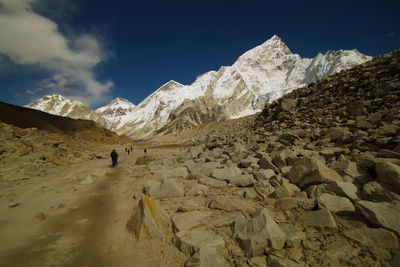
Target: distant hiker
<point>126,150</point>
<point>114,158</point>
<point>145,151</point>
<point>129,151</point>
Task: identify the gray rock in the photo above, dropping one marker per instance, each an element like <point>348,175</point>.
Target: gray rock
<point>204,168</point>
<point>320,218</point>
<point>259,261</point>
<point>308,171</point>
<point>384,153</point>
<point>335,204</point>
<point>266,163</point>
<point>389,173</point>
<point>293,233</point>
<point>148,221</point>
<point>197,190</point>
<point>286,203</point>
<point>188,220</point>
<point>243,180</point>
<point>40,215</point>
<point>264,174</point>
<point>344,189</point>
<point>225,174</point>
<point>259,233</point>
<point>331,152</point>
<point>192,240</point>
<point>227,220</point>
<point>375,191</point>
<point>338,134</point>
<point>365,160</point>
<point>212,182</point>
<point>13,204</point>
<point>275,261</point>
<point>166,189</point>
<point>285,190</point>
<point>383,214</point>
<point>178,172</point>
<point>373,237</point>
<point>207,256</point>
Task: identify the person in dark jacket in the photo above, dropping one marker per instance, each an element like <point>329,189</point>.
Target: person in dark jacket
<point>114,158</point>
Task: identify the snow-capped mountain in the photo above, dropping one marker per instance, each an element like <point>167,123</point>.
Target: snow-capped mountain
<point>116,110</point>
<point>260,75</point>
<point>58,105</point>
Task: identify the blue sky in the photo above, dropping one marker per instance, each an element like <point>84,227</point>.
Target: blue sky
<point>95,51</point>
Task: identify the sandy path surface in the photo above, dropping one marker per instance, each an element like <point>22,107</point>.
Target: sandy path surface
<point>86,217</point>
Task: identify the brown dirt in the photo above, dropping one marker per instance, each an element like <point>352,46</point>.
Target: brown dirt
<point>85,223</point>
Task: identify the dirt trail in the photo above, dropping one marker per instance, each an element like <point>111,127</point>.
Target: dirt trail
<point>90,230</point>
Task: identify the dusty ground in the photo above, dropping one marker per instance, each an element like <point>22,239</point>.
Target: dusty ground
<point>85,216</point>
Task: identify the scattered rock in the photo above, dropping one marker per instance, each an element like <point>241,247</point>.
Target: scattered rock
<point>226,173</point>
<point>335,204</point>
<point>308,171</point>
<point>40,215</point>
<point>188,220</point>
<point>259,233</point>
<point>13,204</point>
<point>374,237</point>
<point>389,173</point>
<point>148,221</point>
<point>319,218</point>
<point>212,182</point>
<point>383,214</point>
<point>190,241</point>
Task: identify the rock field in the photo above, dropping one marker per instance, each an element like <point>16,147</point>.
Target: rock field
<point>314,180</point>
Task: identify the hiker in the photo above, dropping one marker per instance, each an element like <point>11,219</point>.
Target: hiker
<point>145,151</point>
<point>131,149</point>
<point>114,158</point>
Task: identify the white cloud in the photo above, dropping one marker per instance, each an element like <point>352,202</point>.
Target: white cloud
<point>27,38</point>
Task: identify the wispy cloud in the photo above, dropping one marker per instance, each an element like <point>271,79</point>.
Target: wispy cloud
<point>28,38</point>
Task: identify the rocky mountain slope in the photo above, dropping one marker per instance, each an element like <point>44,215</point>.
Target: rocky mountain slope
<point>314,180</point>
<point>59,105</point>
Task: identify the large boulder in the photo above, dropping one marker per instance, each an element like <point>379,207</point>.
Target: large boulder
<point>192,240</point>
<point>204,168</point>
<point>166,189</point>
<point>259,233</point>
<point>212,182</point>
<point>388,173</point>
<point>344,189</point>
<point>227,203</point>
<point>383,214</point>
<point>373,237</point>
<point>148,220</point>
<point>308,171</point>
<point>207,256</point>
<point>285,190</point>
<point>320,218</point>
<point>225,174</point>
<point>243,180</point>
<point>335,204</point>
<point>188,220</point>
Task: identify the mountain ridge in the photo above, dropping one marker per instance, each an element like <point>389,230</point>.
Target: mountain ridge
<point>258,76</point>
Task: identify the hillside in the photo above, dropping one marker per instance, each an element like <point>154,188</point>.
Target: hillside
<point>31,118</point>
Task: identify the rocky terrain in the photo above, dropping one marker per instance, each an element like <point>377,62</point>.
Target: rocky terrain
<point>313,180</point>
